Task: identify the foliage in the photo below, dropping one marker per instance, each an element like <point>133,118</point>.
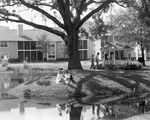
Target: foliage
<point>132,66</point>
<point>63,48</point>
<point>13,60</point>
<point>43,44</point>
<point>126,66</point>
<point>144,11</point>
<point>99,28</point>
<point>130,29</point>
<point>4,63</point>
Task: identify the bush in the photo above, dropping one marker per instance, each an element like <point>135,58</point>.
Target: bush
<point>126,66</point>
<point>110,66</point>
<point>62,59</point>
<point>132,66</point>
<point>13,60</point>
<point>100,66</point>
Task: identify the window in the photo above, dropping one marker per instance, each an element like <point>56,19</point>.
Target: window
<point>82,44</point>
<point>20,45</point>
<point>3,44</point>
<point>51,54</point>
<point>27,45</point>
<point>51,47</point>
<point>2,54</point>
<point>83,54</point>
<point>33,45</point>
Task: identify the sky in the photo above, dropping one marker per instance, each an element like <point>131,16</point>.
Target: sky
<point>37,19</point>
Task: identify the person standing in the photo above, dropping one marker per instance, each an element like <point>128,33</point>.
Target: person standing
<point>97,59</point>
<point>92,62</point>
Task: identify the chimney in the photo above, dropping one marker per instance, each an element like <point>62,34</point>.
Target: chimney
<point>20,30</point>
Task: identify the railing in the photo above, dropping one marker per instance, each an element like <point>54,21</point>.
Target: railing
<point>116,62</point>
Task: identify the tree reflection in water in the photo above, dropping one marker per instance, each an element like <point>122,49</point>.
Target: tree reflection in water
<point>75,113</point>
<point>111,110</point>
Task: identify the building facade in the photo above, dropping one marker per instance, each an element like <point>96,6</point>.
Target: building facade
<point>21,44</point>
<point>135,53</point>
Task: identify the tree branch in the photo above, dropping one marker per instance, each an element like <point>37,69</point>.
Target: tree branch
<point>43,12</point>
<point>107,2</point>
<point>21,20</point>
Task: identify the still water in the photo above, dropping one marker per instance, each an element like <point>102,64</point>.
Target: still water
<point>12,108</point>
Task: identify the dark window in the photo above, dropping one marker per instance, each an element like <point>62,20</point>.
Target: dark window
<point>20,55</point>
<point>40,56</point>
<point>27,55</point>
<point>27,45</point>
<point>80,44</point>
<point>3,44</point>
<point>83,54</point>
<point>84,44</point>
<point>33,46</point>
<point>33,55</point>
<point>20,45</point>
<point>116,55</point>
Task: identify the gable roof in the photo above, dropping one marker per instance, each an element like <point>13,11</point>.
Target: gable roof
<point>115,45</point>
<point>7,34</point>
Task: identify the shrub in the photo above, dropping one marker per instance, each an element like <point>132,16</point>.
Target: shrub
<point>100,66</point>
<point>13,60</point>
<point>126,66</point>
<point>62,59</point>
<point>4,63</point>
<point>110,66</point>
<point>132,66</point>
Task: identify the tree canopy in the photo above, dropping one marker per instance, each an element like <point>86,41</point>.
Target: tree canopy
<point>69,15</point>
<point>130,29</point>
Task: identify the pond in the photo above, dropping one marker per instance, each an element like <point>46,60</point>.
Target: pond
<point>20,109</point>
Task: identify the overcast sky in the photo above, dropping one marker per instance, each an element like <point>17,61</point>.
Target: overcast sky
<point>37,19</point>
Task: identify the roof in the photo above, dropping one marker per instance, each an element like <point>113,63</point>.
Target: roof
<point>7,34</point>
<point>115,45</point>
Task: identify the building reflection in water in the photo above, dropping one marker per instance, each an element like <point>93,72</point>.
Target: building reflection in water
<point>21,107</point>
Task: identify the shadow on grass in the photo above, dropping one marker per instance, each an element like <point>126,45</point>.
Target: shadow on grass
<point>108,83</point>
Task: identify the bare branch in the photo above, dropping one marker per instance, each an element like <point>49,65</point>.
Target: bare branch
<point>43,12</point>
<point>101,7</point>
<point>21,20</point>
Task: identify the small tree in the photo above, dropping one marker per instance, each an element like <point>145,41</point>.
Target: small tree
<point>42,45</point>
<point>99,28</point>
<point>130,29</point>
<point>63,48</point>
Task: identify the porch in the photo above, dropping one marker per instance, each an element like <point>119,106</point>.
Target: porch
<point>116,53</point>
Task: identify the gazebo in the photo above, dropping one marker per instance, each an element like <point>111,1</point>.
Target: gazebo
<point>116,53</point>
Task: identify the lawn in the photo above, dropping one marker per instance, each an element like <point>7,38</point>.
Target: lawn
<point>102,83</point>
<point>90,87</point>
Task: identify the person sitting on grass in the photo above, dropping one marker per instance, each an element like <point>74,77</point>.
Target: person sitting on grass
<point>63,76</point>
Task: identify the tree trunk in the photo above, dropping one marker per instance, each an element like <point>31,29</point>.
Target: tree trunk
<point>75,113</point>
<point>143,56</point>
<point>73,51</point>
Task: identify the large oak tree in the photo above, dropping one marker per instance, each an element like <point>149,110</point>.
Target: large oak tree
<point>69,15</point>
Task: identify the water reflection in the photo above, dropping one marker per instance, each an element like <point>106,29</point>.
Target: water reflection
<point>22,110</point>
<point>18,109</point>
